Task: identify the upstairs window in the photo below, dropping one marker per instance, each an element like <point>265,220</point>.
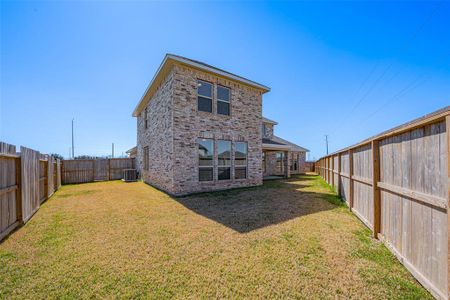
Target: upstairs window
<point>204,97</point>
<point>223,100</point>
<point>240,160</point>
<point>205,159</point>
<point>224,159</point>
<point>146,118</point>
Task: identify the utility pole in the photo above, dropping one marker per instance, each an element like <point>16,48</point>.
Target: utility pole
<point>326,142</point>
<point>112,156</point>
<point>73,147</point>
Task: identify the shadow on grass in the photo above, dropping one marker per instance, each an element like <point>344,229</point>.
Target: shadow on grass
<point>276,201</point>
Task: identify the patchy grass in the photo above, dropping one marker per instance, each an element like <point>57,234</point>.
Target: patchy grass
<point>286,239</point>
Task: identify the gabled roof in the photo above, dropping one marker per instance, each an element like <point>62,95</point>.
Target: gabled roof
<point>167,62</point>
<point>279,142</point>
<point>295,147</point>
<point>265,120</point>
<point>134,149</point>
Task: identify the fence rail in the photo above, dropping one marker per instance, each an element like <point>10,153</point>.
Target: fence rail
<point>89,170</point>
<point>397,183</point>
<point>27,179</point>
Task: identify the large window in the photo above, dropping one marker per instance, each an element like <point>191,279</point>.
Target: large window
<point>205,159</point>
<point>224,159</point>
<point>223,100</point>
<point>240,160</point>
<point>146,158</point>
<point>279,158</point>
<point>205,96</point>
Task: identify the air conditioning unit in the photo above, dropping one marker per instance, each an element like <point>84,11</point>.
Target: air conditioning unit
<point>129,175</point>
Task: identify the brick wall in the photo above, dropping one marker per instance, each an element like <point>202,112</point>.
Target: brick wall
<point>244,124</point>
<point>158,137</point>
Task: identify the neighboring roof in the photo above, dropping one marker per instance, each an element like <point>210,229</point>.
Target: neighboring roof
<point>269,141</point>
<point>170,58</point>
<point>277,141</point>
<point>265,120</point>
<point>295,147</point>
<point>134,149</point>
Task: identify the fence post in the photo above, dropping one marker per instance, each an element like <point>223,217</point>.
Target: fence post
<point>332,172</point>
<point>447,130</point>
<point>48,176</point>
<point>19,189</point>
<point>109,169</point>
<point>375,189</point>
<point>339,174</point>
<point>61,171</point>
<point>350,176</point>
<point>93,170</point>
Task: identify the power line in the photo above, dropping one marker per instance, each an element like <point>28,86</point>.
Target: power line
<point>402,49</point>
<point>408,88</point>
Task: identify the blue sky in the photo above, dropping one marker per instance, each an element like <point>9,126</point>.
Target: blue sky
<point>346,69</point>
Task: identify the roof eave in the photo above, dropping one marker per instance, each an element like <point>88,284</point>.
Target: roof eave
<point>197,65</point>
<point>136,109</point>
<point>219,72</point>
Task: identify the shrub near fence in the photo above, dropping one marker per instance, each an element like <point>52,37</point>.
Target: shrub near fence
<point>397,183</point>
<point>27,179</point>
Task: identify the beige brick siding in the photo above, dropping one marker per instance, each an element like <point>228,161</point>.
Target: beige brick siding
<point>271,163</point>
<point>243,124</point>
<point>301,163</point>
<point>158,137</point>
<point>174,125</point>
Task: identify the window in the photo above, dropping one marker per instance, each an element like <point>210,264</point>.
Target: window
<point>294,162</point>
<point>264,162</point>
<point>204,91</point>
<point>240,160</point>
<point>146,158</point>
<point>146,118</point>
<point>224,159</point>
<point>223,100</point>
<point>279,157</point>
<point>205,159</point>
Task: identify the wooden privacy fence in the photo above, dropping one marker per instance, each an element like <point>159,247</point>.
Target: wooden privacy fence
<point>89,170</point>
<point>397,183</point>
<point>27,178</point>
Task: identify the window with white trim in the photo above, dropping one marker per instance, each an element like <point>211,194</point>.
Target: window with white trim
<point>223,160</point>
<point>223,100</point>
<point>205,96</point>
<point>205,159</point>
<point>240,160</point>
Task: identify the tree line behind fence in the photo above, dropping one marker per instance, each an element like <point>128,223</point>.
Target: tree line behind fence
<point>397,183</point>
<point>28,178</point>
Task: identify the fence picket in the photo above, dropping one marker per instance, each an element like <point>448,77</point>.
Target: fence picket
<point>399,188</point>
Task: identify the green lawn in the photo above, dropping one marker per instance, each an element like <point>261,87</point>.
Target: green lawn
<point>285,239</point>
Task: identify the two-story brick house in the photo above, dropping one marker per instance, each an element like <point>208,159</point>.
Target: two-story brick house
<point>199,128</point>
